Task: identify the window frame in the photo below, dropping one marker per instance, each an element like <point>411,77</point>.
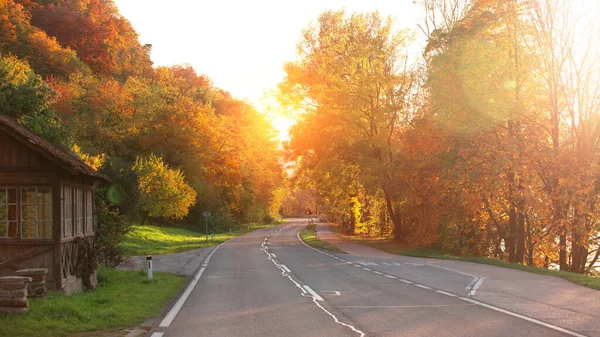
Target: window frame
<point>19,210</point>
<point>85,191</point>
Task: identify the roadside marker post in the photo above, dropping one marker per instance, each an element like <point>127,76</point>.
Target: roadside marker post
<point>206,215</point>
<point>149,263</point>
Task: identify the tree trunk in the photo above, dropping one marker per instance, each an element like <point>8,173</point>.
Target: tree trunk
<point>520,253</point>
<point>395,216</point>
<point>144,217</point>
<point>562,248</point>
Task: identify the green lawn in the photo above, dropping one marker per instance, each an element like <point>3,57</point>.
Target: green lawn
<point>394,248</point>
<point>308,236</point>
<point>148,239</point>
<point>122,299</point>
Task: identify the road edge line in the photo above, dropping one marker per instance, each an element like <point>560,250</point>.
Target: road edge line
<point>525,318</point>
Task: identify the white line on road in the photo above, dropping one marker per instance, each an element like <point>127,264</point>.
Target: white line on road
<point>378,272</point>
<point>398,264</point>
<point>313,293</point>
<point>283,266</point>
<point>422,286</point>
<point>470,285</point>
<point>367,269</point>
<point>157,334</point>
<point>273,255</point>
<point>401,306</point>
<point>390,276</point>
<point>476,286</point>
<point>405,281</point>
<point>529,319</point>
<point>166,322</point>
<point>445,293</point>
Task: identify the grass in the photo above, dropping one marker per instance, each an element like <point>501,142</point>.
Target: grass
<point>147,239</point>
<point>394,248</point>
<point>122,299</point>
<point>308,236</point>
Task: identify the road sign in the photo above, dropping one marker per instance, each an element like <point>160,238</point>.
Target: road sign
<point>207,213</point>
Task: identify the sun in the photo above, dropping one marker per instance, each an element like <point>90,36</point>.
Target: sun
<point>282,124</point>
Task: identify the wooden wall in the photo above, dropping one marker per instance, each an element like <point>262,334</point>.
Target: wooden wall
<point>28,256</point>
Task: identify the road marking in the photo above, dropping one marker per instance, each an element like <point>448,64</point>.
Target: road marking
<point>313,293</point>
<point>284,267</point>
<point>414,264</point>
<point>357,265</point>
<point>367,269</point>
<point>470,285</point>
<point>422,286</point>
<point>445,293</point>
<point>368,263</point>
<point>529,319</point>
<point>390,276</point>
<point>405,281</point>
<point>314,299</point>
<point>166,322</point>
<point>476,286</point>
<point>333,292</point>
<point>378,272</point>
<point>273,255</point>
<point>398,264</point>
<point>401,306</point>
<point>157,334</point>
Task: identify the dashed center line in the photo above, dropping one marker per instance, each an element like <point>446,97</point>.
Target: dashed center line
<point>378,272</point>
<point>390,276</point>
<point>367,269</point>
<point>422,286</point>
<point>406,281</point>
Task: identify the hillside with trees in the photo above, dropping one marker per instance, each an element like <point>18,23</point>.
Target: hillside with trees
<point>172,143</point>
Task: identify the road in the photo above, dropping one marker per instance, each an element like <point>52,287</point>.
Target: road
<point>269,283</point>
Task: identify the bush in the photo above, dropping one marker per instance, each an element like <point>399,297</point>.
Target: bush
<point>111,230</point>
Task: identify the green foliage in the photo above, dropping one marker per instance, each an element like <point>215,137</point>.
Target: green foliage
<point>163,191</point>
<point>145,239</point>
<point>121,300</point>
<point>110,232</point>
<point>308,236</point>
<point>22,92</point>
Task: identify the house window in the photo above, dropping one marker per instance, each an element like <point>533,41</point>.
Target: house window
<point>67,211</point>
<point>36,213</point>
<point>79,215</point>
<point>8,212</point>
<point>89,211</point>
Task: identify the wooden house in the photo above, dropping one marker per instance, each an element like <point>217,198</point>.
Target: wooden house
<point>47,215</point>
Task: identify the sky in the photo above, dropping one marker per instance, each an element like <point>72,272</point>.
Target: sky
<point>241,45</point>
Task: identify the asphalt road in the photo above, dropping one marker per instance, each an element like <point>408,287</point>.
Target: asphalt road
<point>269,283</point>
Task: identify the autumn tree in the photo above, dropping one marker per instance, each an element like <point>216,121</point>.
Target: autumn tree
<point>352,83</point>
<point>164,192</point>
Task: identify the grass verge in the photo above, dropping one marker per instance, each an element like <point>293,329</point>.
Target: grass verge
<point>122,299</point>
<point>391,247</point>
<point>146,239</point>
<point>308,236</point>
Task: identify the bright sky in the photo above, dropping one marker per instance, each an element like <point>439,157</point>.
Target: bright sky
<point>241,45</point>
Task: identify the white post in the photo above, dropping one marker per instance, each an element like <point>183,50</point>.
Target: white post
<point>149,262</point>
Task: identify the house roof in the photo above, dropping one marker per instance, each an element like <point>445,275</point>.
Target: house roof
<point>67,160</point>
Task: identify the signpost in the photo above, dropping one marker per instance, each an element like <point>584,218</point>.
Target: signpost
<point>308,213</point>
<point>206,215</point>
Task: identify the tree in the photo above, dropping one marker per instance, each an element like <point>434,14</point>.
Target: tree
<point>353,85</point>
<point>163,191</point>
